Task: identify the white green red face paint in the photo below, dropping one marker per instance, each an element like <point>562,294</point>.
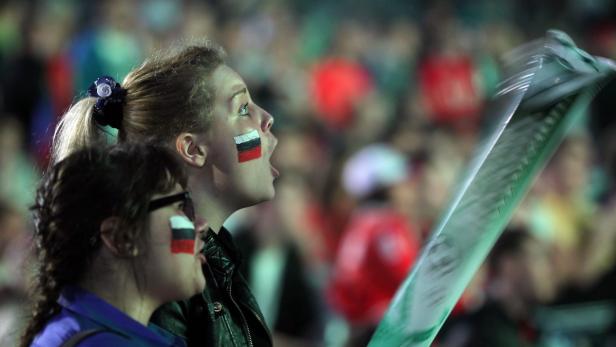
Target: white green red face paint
<point>182,235</point>
<point>248,146</point>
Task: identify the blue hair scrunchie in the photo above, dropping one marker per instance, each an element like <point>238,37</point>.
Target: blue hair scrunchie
<point>110,97</point>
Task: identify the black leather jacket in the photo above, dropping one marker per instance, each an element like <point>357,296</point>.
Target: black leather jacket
<point>226,313</point>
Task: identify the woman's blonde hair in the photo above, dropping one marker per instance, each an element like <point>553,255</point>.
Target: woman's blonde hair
<point>168,94</point>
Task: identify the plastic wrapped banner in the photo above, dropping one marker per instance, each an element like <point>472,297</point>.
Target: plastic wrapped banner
<point>549,84</point>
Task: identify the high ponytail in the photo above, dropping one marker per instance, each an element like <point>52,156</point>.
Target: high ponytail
<point>168,94</point>
<point>77,129</point>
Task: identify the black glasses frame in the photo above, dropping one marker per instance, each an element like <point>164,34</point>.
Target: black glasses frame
<point>188,208</point>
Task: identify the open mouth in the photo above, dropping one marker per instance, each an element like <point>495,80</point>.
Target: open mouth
<point>200,254</point>
<point>201,258</point>
<point>275,172</point>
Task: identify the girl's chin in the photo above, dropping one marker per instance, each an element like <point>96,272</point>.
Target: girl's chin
<point>264,198</point>
<point>266,192</point>
<point>269,195</point>
<point>200,287</point>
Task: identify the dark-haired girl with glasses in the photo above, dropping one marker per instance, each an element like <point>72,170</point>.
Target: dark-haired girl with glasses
<point>116,237</point>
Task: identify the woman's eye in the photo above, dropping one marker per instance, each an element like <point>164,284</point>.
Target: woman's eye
<point>244,110</point>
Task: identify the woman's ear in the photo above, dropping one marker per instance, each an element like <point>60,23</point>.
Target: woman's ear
<point>108,236</point>
<point>191,149</point>
<point>116,242</point>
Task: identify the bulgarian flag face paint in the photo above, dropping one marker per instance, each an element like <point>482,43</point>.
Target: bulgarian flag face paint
<point>182,235</point>
<point>248,146</point>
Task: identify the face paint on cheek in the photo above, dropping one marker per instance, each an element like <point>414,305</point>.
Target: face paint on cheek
<point>182,235</point>
<point>248,146</point>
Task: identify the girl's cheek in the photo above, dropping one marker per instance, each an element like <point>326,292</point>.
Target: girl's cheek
<point>182,235</point>
<point>248,146</point>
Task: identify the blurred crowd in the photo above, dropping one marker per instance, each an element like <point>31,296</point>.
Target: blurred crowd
<point>378,106</point>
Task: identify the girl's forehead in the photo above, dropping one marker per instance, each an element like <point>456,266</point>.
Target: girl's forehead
<point>227,80</point>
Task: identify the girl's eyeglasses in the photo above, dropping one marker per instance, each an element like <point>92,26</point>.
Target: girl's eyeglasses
<point>187,207</point>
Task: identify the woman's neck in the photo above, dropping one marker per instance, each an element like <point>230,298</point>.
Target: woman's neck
<point>119,289</point>
<point>214,216</point>
<point>209,205</point>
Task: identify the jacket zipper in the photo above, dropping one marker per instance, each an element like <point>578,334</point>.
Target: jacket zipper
<point>241,313</point>
<point>258,319</point>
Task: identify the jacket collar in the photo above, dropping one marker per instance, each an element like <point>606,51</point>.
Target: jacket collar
<point>224,240</point>
<point>88,305</point>
<point>222,256</point>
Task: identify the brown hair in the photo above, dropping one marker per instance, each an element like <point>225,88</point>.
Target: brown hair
<point>168,94</point>
<point>72,201</point>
